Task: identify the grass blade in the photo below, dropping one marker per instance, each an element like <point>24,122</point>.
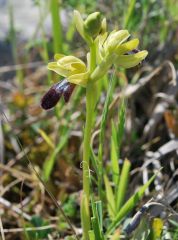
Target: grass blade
<point>56,25</point>
<point>101,136</point>
<point>121,124</point>
<point>123,182</point>
<point>129,12</point>
<point>46,138</point>
<point>110,198</point>
<point>96,229</point>
<point>99,211</point>
<point>114,154</point>
<point>97,219</point>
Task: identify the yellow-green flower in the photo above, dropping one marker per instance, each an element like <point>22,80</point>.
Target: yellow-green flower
<point>71,68</point>
<point>116,44</point>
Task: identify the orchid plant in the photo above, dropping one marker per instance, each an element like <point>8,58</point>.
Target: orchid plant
<point>105,50</point>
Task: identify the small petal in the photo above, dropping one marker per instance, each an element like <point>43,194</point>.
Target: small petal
<point>58,69</point>
<point>121,36</point>
<point>126,47</point>
<point>103,26</point>
<point>79,79</point>
<point>79,23</point>
<point>115,39</point>
<point>128,61</point>
<point>70,59</point>
<point>79,67</point>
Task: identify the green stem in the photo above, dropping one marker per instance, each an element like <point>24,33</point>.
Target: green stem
<point>56,26</point>
<point>103,67</point>
<point>90,106</point>
<point>92,57</point>
<point>44,42</point>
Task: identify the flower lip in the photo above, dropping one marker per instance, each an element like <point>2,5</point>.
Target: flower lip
<point>53,95</point>
<point>67,92</point>
<point>50,99</point>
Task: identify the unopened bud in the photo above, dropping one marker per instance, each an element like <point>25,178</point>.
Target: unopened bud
<point>92,24</point>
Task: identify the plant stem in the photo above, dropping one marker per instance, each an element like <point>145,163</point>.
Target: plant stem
<point>56,25</point>
<point>90,106</point>
<point>44,41</point>
<point>92,57</point>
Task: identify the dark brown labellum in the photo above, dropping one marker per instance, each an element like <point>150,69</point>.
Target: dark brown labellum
<point>51,98</point>
<point>68,92</point>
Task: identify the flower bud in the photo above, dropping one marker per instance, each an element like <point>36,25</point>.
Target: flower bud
<point>92,24</point>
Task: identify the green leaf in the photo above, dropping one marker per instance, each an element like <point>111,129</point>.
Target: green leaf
<point>96,229</point>
<point>110,198</point>
<point>123,183</point>
<point>99,211</point>
<point>121,124</point>
<point>106,108</point>
<point>97,219</point>
<point>102,132</point>
<point>128,13</point>
<point>114,154</point>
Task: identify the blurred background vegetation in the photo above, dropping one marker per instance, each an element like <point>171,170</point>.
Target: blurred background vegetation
<point>31,32</point>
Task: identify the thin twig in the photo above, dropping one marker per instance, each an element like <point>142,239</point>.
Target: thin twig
<point>10,185</point>
<point>15,209</point>
<point>29,229</point>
